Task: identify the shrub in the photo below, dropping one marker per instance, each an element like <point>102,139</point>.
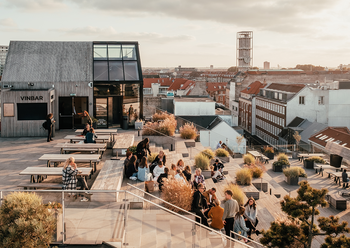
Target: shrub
<point>244,176</point>
<point>188,131</point>
<point>282,156</point>
<point>294,172</point>
<point>221,153</point>
<point>201,161</point>
<point>208,153</point>
<point>238,194</point>
<point>166,127</point>
<point>132,149</point>
<point>25,221</point>
<point>160,116</point>
<point>178,193</point>
<point>268,149</point>
<point>150,129</point>
<point>316,159</point>
<point>248,159</point>
<point>150,158</point>
<point>256,171</point>
<point>282,159</point>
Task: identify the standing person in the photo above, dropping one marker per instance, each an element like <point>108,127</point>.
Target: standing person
<point>198,178</point>
<point>69,175</point>
<point>250,217</point>
<point>162,177</point>
<point>187,173</point>
<point>143,171</point>
<point>131,112</point>
<point>50,121</point>
<point>86,118</point>
<point>142,148</point>
<point>230,210</point>
<point>199,205</point>
<point>210,196</point>
<point>345,178</point>
<point>216,214</point>
<point>239,225</point>
<point>219,145</point>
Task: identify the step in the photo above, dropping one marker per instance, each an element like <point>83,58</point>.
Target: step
<point>163,238</point>
<point>134,228</point>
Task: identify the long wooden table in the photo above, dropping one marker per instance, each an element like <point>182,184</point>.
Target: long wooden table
<point>79,158</point>
<point>89,147</point>
<point>78,138</point>
<point>321,167</point>
<point>40,172</point>
<point>337,176</point>
<point>255,154</point>
<point>110,132</point>
<point>302,156</point>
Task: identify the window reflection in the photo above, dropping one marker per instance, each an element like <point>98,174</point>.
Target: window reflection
<point>130,70</point>
<point>100,71</point>
<point>116,71</point>
<point>129,52</point>
<point>100,52</point>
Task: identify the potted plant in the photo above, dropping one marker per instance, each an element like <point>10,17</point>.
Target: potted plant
<point>269,152</point>
<point>223,155</point>
<point>297,138</point>
<point>281,163</point>
<point>292,175</point>
<point>309,162</point>
<point>201,161</point>
<point>244,176</point>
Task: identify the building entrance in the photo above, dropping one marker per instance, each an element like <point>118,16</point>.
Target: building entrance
<point>71,111</point>
<point>109,111</point>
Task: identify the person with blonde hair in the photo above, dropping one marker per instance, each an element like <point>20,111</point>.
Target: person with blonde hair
<point>179,176</point>
<point>172,171</point>
<point>180,164</point>
<point>198,178</point>
<point>69,175</point>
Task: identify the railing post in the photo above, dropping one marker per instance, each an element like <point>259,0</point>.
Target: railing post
<point>63,210</point>
<point>125,221</point>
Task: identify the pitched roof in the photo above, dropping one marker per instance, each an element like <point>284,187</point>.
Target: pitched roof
<point>254,88</point>
<point>172,83</point>
<point>295,122</point>
<point>338,135</point>
<point>177,83</point>
<point>310,129</point>
<point>293,88</point>
<point>49,61</point>
<point>214,123</point>
<point>215,86</point>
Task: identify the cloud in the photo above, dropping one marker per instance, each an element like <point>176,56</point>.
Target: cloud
<point>111,34</point>
<point>8,22</point>
<point>274,15</point>
<point>19,30</point>
<point>36,5</point>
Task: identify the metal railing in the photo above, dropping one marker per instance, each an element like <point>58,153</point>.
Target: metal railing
<point>243,237</point>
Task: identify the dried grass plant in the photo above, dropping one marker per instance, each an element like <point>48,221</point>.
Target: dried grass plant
<point>282,156</point>
<point>221,153</point>
<point>178,193</point>
<point>249,159</point>
<point>244,176</point>
<point>268,149</point>
<point>166,127</point>
<point>201,161</point>
<point>238,194</point>
<point>160,116</point>
<point>150,158</point>
<point>188,131</point>
<point>294,172</point>
<point>316,159</point>
<point>208,153</point>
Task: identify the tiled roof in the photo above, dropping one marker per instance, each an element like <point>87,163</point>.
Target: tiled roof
<point>176,84</point>
<point>295,72</point>
<point>339,135</point>
<point>254,88</point>
<point>162,81</point>
<point>215,86</point>
<point>173,83</point>
<point>293,88</point>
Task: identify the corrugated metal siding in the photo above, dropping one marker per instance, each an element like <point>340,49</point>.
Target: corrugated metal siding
<point>41,61</point>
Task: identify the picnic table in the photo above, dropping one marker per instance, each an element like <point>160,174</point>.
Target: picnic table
<point>78,138</point>
<point>337,176</point>
<point>40,172</point>
<point>79,158</point>
<point>301,156</point>
<point>110,132</point>
<point>322,167</point>
<point>255,154</point>
<point>77,147</point>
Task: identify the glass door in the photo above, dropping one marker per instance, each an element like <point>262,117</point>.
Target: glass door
<point>66,113</point>
<point>101,112</point>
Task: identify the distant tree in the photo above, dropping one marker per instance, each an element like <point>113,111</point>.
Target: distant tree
<point>255,68</point>
<point>300,225</point>
<point>310,67</point>
<point>297,138</point>
<point>232,69</point>
<point>239,140</point>
<point>195,74</point>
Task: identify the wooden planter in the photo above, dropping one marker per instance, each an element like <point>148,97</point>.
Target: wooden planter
<point>308,164</point>
<point>206,174</point>
<point>270,155</point>
<point>238,155</point>
<point>279,168</point>
<point>57,236</point>
<point>224,159</point>
<point>292,180</point>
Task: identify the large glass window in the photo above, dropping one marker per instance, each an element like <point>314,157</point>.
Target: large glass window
<point>129,52</point>
<point>115,52</point>
<point>31,111</point>
<point>131,71</point>
<point>100,52</point>
<point>100,70</point>
<point>116,71</point>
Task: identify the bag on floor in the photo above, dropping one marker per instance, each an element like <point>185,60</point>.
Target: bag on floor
<point>149,186</point>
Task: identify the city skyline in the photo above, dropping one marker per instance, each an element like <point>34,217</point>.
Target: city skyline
<point>286,33</point>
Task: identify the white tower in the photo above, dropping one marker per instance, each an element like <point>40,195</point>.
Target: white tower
<point>244,50</point>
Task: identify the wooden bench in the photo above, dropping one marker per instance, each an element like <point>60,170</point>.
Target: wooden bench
<point>264,159</point>
<point>250,191</point>
<point>319,168</point>
<point>338,202</point>
<point>109,178</point>
<point>123,142</point>
<point>41,185</point>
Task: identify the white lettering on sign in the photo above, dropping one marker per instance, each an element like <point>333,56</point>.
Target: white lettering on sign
<point>32,98</point>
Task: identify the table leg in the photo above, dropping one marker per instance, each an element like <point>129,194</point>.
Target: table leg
<point>32,179</point>
<point>61,150</point>
<point>95,166</point>
<point>48,163</point>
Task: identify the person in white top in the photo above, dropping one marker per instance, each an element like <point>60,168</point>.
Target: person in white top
<point>219,145</point>
<point>250,216</point>
<point>159,169</point>
<point>179,176</point>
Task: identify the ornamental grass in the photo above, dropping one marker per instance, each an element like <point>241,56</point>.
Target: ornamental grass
<point>151,158</point>
<point>178,193</point>
<point>237,191</point>
<point>201,161</point>
<point>316,159</point>
<point>160,116</point>
<point>166,127</point>
<point>294,172</point>
<point>248,159</point>
<point>244,176</point>
<point>221,153</point>
<point>208,153</point>
<point>188,131</point>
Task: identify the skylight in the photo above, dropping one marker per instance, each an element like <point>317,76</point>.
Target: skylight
<point>319,135</point>
<point>323,137</point>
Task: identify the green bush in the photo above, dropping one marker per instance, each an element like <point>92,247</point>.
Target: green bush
<point>282,156</point>
<point>248,159</point>
<point>294,172</point>
<point>208,153</point>
<point>150,158</point>
<point>237,191</point>
<point>316,159</point>
<point>202,161</point>
<point>188,131</point>
<point>25,221</point>
<point>221,153</point>
<point>244,176</point>
<point>132,149</point>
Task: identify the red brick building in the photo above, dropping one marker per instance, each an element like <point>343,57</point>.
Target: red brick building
<point>217,91</point>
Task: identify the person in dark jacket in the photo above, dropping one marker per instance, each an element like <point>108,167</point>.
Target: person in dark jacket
<point>90,136</point>
<point>86,129</point>
<point>187,173</point>
<point>50,122</point>
<point>131,170</point>
<point>160,157</point>
<point>345,178</point>
<point>162,177</point>
<point>126,161</point>
<point>142,148</point>
<point>199,205</point>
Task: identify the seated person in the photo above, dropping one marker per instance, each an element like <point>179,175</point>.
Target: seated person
<point>162,177</point>
<point>131,170</point>
<point>187,173</point>
<point>198,178</point>
<point>126,161</point>
<point>216,213</point>
<point>86,129</point>
<point>172,171</point>
<point>179,176</point>
<point>345,178</point>
<point>143,173</point>
<point>158,170</point>
<point>90,136</point>
<point>180,164</point>
<point>160,157</point>
<point>218,171</point>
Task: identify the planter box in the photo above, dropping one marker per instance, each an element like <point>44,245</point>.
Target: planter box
<point>238,155</point>
<point>225,159</point>
<point>337,201</point>
<point>335,160</point>
<point>308,164</point>
<point>292,180</point>
<point>164,141</point>
<point>279,168</point>
<point>270,155</point>
<point>57,236</point>
<point>264,186</point>
<point>190,143</point>
<point>206,173</point>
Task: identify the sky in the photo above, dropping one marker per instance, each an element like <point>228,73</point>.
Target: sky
<point>192,33</point>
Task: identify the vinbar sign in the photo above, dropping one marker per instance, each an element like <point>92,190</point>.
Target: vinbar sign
<point>32,98</point>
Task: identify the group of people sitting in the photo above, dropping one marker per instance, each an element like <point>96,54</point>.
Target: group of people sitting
<point>232,217</point>
<point>89,133</point>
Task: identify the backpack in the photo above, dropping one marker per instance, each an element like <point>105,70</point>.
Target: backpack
<point>45,125</point>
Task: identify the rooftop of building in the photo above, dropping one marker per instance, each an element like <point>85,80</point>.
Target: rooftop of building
<point>193,99</point>
<point>292,88</point>
<point>254,88</point>
<point>216,86</point>
<point>338,135</point>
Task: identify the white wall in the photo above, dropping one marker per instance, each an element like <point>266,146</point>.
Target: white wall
<point>253,115</point>
<point>339,108</point>
<point>155,89</point>
<point>226,134</point>
<point>194,108</point>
